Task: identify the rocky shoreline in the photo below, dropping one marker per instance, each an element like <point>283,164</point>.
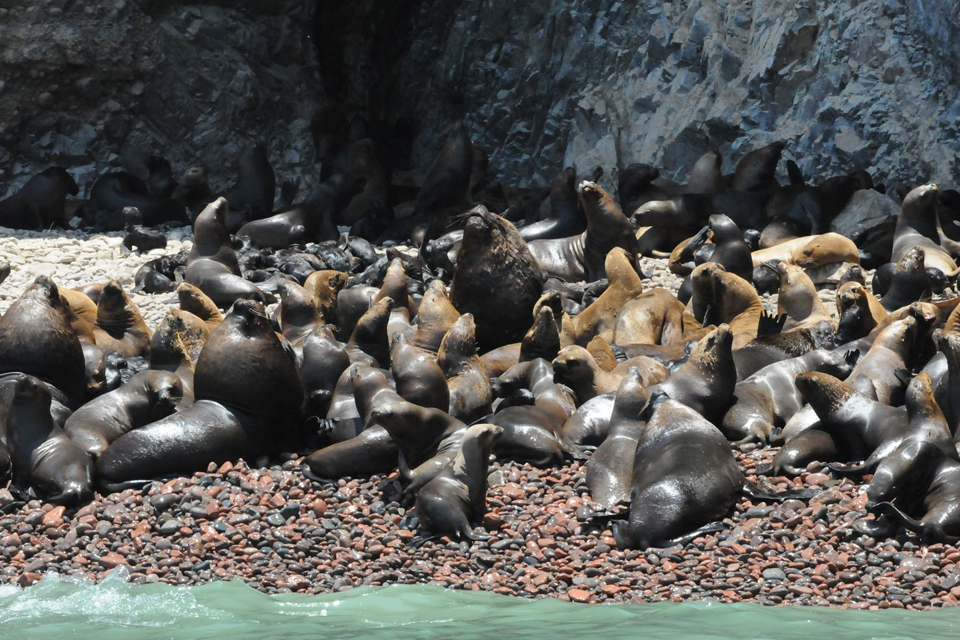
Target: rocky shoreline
<point>278,531</point>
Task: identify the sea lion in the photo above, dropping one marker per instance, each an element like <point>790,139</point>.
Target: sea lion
<point>193,190</point>
<point>306,221</point>
<point>720,296</point>
<point>455,499</point>
<point>370,338</point>
<point>798,299</point>
<point>299,314</point>
<point>684,477</point>
<point>116,190</point>
<point>324,361</point>
<point>36,339</point>
<point>428,439</point>
<point>419,378</point>
<point>707,380</point>
<point>731,251</point>
<point>467,376</point>
<point>175,347</point>
<point>756,171</point>
<point>248,401</point>
<point>496,279</point>
<point>918,226</point>
<point>435,316</point>
<point>852,294</point>
<point>565,219</point>
<point>44,458</point>
<point>610,468</point>
<point>251,196</point>
<point>196,302</point>
<point>583,257</point>
<point>212,265</point>
<point>82,313</point>
<point>601,317</point>
<point>543,338</point>
<point>39,204</point>
<point>147,397</point>
<point>120,327</point>
<point>768,349</point>
<point>324,287</point>
<point>655,317</point>
<point>533,433</point>
<point>769,397</point>
<point>576,368</point>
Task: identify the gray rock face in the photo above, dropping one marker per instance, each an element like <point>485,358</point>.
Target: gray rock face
<point>100,85</point>
<point>848,84</point>
<point>866,211</point>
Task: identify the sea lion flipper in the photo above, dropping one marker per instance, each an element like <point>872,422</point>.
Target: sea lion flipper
<point>770,325</point>
<point>681,541</point>
<point>848,470</point>
<point>756,493</point>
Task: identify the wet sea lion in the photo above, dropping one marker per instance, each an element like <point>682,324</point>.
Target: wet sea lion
<point>533,433</point>
<point>455,499</point>
<point>496,279</point>
<point>610,468</point>
<point>147,397</point>
<point>39,204</point>
<point>582,257</point>
<point>419,378</point>
<point>370,338</point>
<point>917,226</point>
<point>684,477</point>
<point>44,458</point>
<point>768,349</point>
<point>36,339</point>
<point>248,401</point>
<point>324,360</point>
<point>120,327</point>
<point>565,219</point>
<point>855,294</point>
<point>435,317</point>
<point>324,287</point>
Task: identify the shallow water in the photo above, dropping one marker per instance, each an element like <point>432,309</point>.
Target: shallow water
<point>59,609</point>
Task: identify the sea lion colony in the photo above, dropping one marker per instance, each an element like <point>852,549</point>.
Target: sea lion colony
<point>529,321</point>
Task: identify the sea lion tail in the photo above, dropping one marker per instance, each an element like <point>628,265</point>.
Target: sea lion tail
<point>756,493</point>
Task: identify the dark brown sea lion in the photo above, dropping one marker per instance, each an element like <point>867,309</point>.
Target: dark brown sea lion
<point>610,468</point>
<point>467,376</point>
<point>852,294</point>
<point>324,360</point>
<point>757,170</point>
<point>114,191</point>
<point>533,433</point>
<point>149,396</point>
<point>918,226</point>
<point>566,219</point>
<point>251,196</point>
<point>582,257</point>
<point>601,317</point>
<point>543,338</point>
<point>684,477</point>
<point>455,499</point>
<point>248,402</point>
<point>36,339</point>
<point>306,221</point>
<point>707,380</point>
<point>193,190</point>
<point>39,204</point>
<point>120,327</point>
<point>496,279</point>
<point>212,265</point>
<point>369,338</point>
<point>769,397</point>
<point>44,458</point>
<point>419,378</point>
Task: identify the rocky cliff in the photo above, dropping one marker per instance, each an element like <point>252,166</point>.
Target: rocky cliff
<point>541,84</point>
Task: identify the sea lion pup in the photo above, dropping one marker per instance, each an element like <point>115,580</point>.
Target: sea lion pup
<point>908,282</point>
<point>251,196</point>
<point>576,368</point>
<point>456,499</point>
<point>427,438</point>
<point>496,279</point>
<point>721,296</point>
<point>467,376</point>
<point>706,381</point>
<point>419,378</point>
<point>137,237</point>
<point>196,302</point>
<point>655,317</point>
<point>565,219</point>
<point>769,397</point>
<point>212,265</point>
<point>798,299</point>
<point>175,347</point>
<point>36,339</point>
<point>44,458</point>
<point>855,294</point>
<point>120,327</point>
<point>39,204</point>
<point>248,399</point>
<point>918,226</point>
<point>610,468</point>
<point>684,477</point>
<point>582,257</point>
<point>435,316</point>
<point>324,361</point>
<point>369,339</point>
<point>147,397</point>
<point>600,318</point>
<point>851,425</point>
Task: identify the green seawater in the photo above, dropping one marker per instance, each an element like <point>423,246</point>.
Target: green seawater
<point>116,610</point>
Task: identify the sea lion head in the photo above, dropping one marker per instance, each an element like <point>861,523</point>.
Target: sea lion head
<point>573,364</point>
<point>923,197</point>
<point>849,294</point>
<point>483,229</point>
<point>824,392</point>
<point>250,318</point>
<point>113,305</point>
<point>165,390</point>
<point>44,290</point>
<point>632,395</point>
<point>485,435</point>
<point>543,334</point>
<point>29,389</point>
<point>723,228</point>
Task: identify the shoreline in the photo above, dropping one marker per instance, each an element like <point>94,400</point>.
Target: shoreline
<point>280,532</point>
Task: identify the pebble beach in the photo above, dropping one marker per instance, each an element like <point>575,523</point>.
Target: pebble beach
<point>264,523</point>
